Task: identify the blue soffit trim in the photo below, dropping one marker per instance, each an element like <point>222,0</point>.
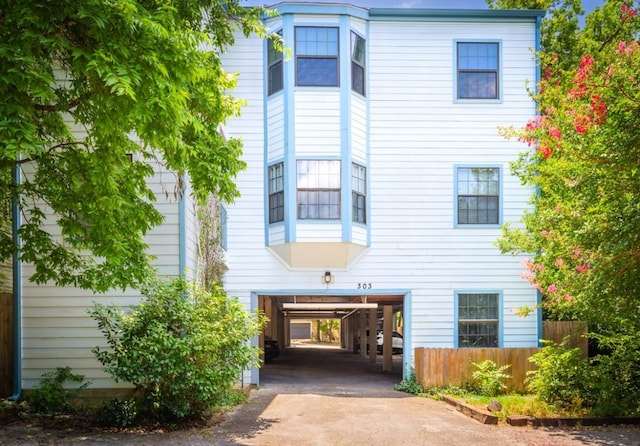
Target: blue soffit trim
<point>319,8</point>
<point>182,228</point>
<point>455,14</point>
<point>17,291</point>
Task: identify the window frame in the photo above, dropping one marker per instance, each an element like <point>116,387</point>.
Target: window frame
<point>457,194</point>
<point>317,57</point>
<point>334,192</point>
<point>498,70</point>
<point>358,194</point>
<point>278,61</point>
<point>222,219</point>
<point>498,320</point>
<point>361,65</point>
<point>276,193</point>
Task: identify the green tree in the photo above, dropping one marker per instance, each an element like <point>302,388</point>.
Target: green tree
<point>84,84</point>
<point>559,28</point>
<point>585,230</point>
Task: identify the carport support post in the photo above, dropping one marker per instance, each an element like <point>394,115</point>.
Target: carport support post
<point>373,339</point>
<point>387,338</point>
<point>363,334</point>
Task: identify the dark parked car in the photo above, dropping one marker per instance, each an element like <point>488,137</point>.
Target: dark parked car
<point>271,349</point>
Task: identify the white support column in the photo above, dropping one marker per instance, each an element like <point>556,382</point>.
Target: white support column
<point>387,338</point>
<point>373,338</point>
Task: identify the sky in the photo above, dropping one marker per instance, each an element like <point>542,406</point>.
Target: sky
<point>588,5</point>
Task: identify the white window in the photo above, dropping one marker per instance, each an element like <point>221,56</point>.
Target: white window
<point>358,60</point>
<point>478,319</point>
<point>478,195</point>
<point>316,56</point>
<point>318,189</point>
<point>276,193</point>
<point>359,193</point>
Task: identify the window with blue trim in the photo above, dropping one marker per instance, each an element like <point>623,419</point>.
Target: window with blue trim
<point>359,193</point>
<point>318,189</point>
<point>358,60</point>
<point>276,193</point>
<point>316,56</point>
<point>275,69</point>
<point>478,70</point>
<point>478,319</point>
<point>478,195</point>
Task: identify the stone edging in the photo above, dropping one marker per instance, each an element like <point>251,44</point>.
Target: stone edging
<point>486,417</point>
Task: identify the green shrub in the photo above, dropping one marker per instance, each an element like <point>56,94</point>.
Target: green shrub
<point>117,413</point>
<point>562,377</point>
<point>51,396</point>
<point>489,377</point>
<point>410,385</point>
<point>615,386</point>
<point>182,348</point>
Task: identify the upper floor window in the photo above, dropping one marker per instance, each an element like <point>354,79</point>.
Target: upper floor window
<point>276,193</point>
<point>275,69</point>
<point>358,193</point>
<point>478,195</point>
<point>316,56</point>
<point>478,319</point>
<point>478,71</point>
<point>358,57</point>
<point>318,189</point>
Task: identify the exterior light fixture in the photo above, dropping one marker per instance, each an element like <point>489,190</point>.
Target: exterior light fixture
<point>327,277</point>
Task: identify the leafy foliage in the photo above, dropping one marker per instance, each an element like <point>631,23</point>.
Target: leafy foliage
<point>585,228</point>
<point>561,377</point>
<point>51,396</point>
<point>489,377</point>
<point>85,85</point>
<point>116,413</point>
<point>183,348</point>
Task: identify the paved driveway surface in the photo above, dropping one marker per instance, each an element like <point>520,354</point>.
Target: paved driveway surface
<point>320,396</point>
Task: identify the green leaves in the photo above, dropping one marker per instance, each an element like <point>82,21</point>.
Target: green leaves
<point>583,161</point>
<point>184,348</point>
<point>85,84</point>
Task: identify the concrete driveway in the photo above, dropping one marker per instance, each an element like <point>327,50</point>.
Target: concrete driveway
<point>326,396</point>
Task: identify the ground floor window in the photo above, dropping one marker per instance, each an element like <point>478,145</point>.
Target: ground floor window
<point>478,319</point>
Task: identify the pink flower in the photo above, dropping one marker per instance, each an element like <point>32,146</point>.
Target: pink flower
<point>551,289</point>
<point>583,268</point>
<point>568,297</point>
<point>559,262</point>
<point>576,253</point>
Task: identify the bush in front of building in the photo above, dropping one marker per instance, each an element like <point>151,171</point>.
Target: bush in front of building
<point>183,348</point>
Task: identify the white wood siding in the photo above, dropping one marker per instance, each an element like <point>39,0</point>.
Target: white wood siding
<point>418,134</point>
<point>275,129</point>
<point>358,128</point>
<point>276,234</point>
<point>317,123</point>
<point>319,232</point>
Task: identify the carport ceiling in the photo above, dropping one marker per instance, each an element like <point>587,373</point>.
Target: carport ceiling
<point>327,307</point>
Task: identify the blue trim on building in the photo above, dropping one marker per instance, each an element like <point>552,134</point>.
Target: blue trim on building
<point>17,290</point>
<point>290,212</point>
<point>461,15</point>
<point>368,134</point>
<point>182,228</point>
<point>331,9</point>
<point>455,196</point>
<point>345,127</point>
<point>407,330</point>
<point>265,135</point>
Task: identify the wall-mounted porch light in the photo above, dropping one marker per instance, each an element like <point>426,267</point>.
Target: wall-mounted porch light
<point>327,277</point>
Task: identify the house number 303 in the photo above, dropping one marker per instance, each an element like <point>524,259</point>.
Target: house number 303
<point>364,285</point>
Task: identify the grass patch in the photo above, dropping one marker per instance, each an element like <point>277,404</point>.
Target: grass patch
<point>518,404</point>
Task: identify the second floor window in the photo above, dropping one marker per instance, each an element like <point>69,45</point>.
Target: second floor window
<point>358,63</point>
<point>478,67</point>
<point>318,189</point>
<point>359,193</point>
<point>275,69</point>
<point>316,56</point>
<point>276,193</point>
<point>478,195</point>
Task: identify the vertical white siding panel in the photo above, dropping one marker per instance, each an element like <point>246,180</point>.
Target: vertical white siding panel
<point>317,123</point>
<point>275,141</point>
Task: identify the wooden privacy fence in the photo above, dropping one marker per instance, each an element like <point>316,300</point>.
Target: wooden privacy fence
<point>453,366</point>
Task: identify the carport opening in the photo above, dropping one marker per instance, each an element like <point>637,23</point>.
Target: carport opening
<point>323,325</point>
